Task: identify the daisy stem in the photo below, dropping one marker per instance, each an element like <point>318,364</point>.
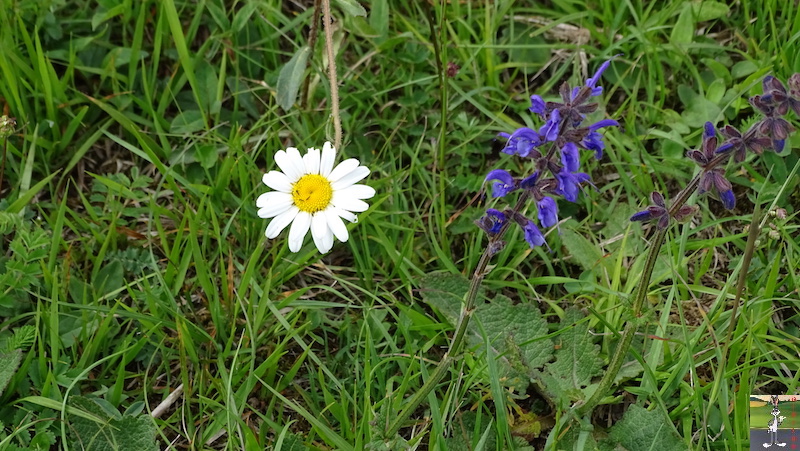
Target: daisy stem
<point>337,122</point>
<point>461,327</point>
<point>629,331</point>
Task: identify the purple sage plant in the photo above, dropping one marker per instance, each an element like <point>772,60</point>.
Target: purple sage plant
<point>554,154</point>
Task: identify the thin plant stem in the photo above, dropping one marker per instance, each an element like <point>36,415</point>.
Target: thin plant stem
<point>312,41</point>
<point>629,331</point>
<point>337,121</point>
<point>461,327</point>
<point>3,164</point>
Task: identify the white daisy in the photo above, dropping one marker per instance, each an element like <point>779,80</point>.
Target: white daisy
<point>311,193</point>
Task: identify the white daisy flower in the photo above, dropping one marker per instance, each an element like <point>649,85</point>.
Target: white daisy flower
<point>311,193</point>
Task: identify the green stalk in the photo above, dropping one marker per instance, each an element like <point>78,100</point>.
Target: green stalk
<point>629,331</point>
<point>461,328</point>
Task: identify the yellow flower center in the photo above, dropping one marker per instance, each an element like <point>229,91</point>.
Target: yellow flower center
<point>312,193</point>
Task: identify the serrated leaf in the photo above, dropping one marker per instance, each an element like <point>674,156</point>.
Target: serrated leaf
<point>583,251</point>
<point>126,433</point>
<point>446,293</point>
<point>643,430</point>
<point>9,362</point>
<point>352,7</point>
<point>517,337</point>
<point>577,361</point>
<point>291,77</point>
<point>516,332</point>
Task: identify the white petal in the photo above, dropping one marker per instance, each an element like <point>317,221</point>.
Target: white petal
<point>323,238</point>
<point>270,198</point>
<point>311,161</point>
<point>280,222</point>
<point>354,176</point>
<point>341,213</point>
<point>298,231</point>
<point>336,225</point>
<point>277,181</point>
<point>297,160</point>
<point>275,206</point>
<point>287,161</point>
<point>342,169</point>
<point>348,203</point>
<point>357,192</point>
<point>328,156</point>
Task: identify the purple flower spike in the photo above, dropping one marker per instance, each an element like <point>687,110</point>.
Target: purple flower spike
<point>505,185</point>
<point>548,212</point>
<point>532,234</point>
<point>570,157</point>
<point>538,105</point>
<point>550,129</point>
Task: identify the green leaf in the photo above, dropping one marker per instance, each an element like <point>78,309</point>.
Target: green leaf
<point>586,253</point>
<point>379,18</point>
<point>206,155</point>
<point>715,91</point>
<point>9,362</point>
<point>518,337</point>
<point>352,7</point>
<point>187,122</point>
<point>242,17</point>
<point>207,81</point>
<point>115,432</point>
<point>683,31</point>
<point>446,293</point>
<point>109,278</point>
<point>643,430</point>
<point>516,333</point>
<point>705,11</point>
<point>577,361</point>
<point>290,78</point>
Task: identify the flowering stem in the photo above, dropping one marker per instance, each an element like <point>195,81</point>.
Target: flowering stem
<point>629,331</point>
<point>461,327</point>
<point>337,122</point>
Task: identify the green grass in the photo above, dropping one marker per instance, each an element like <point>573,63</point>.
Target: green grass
<point>132,261</point>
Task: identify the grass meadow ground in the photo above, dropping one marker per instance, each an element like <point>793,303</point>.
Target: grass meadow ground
<point>141,306</point>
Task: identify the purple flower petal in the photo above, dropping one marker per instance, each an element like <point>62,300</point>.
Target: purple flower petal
<point>538,105</point>
<point>642,216</point>
<point>570,157</point>
<point>709,131</point>
<point>505,185</point>
<point>548,212</point>
<point>532,234</point>
<point>550,129</point>
<point>728,199</point>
